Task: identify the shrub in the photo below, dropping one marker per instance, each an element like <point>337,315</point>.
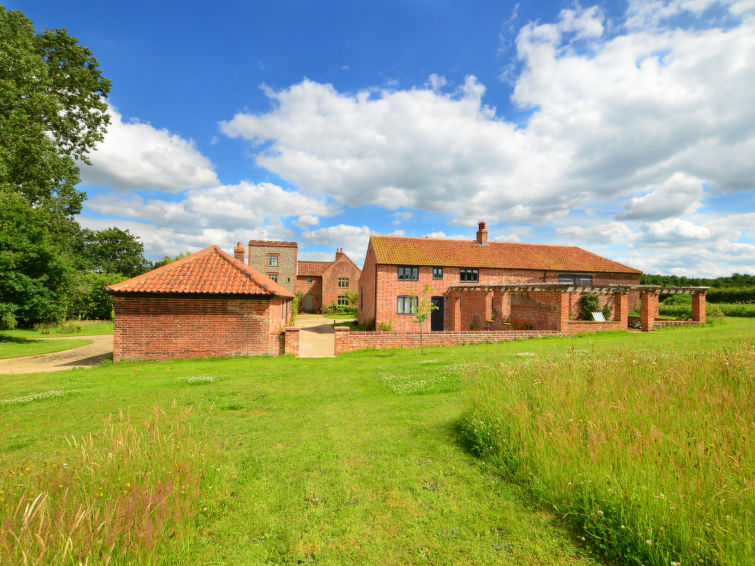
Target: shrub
<point>386,326</point>
<point>295,306</point>
<point>588,304</point>
<point>607,311</point>
<point>732,294</point>
<point>7,316</point>
<point>339,309</point>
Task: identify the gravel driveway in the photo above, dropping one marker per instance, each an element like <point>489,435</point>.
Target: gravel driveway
<point>99,350</point>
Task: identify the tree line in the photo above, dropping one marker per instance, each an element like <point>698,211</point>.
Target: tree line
<point>52,115</point>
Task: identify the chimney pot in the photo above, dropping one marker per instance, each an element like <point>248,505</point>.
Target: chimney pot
<point>238,252</point>
<point>482,234</point>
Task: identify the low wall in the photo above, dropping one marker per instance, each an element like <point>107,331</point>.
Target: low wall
<point>346,341</point>
<point>574,326</point>
<point>670,323</point>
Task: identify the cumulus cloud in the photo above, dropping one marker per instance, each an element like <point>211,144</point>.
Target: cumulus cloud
<point>680,194</point>
<point>624,114</point>
<point>136,155</point>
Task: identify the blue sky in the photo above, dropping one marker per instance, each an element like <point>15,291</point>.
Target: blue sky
<point>626,128</point>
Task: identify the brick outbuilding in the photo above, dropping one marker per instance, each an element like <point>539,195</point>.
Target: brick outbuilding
<point>205,305</point>
<point>325,283</point>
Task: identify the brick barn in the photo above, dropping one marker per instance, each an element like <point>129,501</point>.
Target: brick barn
<point>205,305</point>
<point>482,285</point>
<point>325,282</point>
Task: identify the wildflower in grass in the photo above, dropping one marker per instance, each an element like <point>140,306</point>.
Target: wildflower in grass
<point>649,542</point>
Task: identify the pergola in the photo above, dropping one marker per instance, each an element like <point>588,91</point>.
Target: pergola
<point>549,306</point>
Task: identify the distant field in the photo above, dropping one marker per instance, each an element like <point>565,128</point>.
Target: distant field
<point>358,459</point>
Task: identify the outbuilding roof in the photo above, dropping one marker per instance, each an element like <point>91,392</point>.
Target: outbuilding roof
<point>313,267</point>
<point>209,272</point>
<point>401,250</point>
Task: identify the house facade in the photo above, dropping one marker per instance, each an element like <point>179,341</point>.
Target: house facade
<point>276,259</point>
<point>325,283</point>
<point>472,282</point>
<point>207,304</point>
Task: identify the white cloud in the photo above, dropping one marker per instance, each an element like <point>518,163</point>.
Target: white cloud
<point>136,155</point>
<point>339,235</point>
<point>612,232</point>
<point>679,194</point>
<point>443,235</point>
<point>399,217</point>
<point>620,116</point>
<point>307,220</point>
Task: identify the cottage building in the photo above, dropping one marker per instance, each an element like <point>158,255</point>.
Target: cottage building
<point>473,283</point>
<point>275,259</point>
<point>325,283</point>
<point>207,304</point>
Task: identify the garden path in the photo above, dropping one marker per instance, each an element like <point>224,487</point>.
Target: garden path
<point>89,355</point>
<point>316,337</point>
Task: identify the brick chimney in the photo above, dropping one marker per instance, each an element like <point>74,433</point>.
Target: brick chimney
<point>238,252</point>
<point>339,252</point>
<point>482,234</point>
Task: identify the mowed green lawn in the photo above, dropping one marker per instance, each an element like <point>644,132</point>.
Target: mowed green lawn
<point>14,347</point>
<point>262,460</point>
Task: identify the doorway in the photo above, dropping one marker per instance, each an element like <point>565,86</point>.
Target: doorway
<point>436,317</point>
<point>308,303</point>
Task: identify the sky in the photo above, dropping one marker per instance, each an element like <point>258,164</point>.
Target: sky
<point>625,128</point>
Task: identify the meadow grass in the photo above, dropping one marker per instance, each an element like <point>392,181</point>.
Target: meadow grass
<point>14,346</point>
<point>647,453</point>
<point>357,459</point>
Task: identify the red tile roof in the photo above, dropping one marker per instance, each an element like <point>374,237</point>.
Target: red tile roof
<point>210,271</point>
<point>273,244</point>
<point>313,267</point>
<point>399,250</point>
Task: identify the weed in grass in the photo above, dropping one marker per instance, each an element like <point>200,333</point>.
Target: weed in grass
<point>33,397</point>
<point>121,496</point>
<point>647,454</point>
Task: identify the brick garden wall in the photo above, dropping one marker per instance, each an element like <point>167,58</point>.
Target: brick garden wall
<point>346,341</point>
<point>163,328</point>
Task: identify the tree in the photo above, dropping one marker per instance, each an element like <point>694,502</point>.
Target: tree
<point>35,277</point>
<point>424,306</point>
<point>112,250</point>
<point>89,299</point>
<point>52,112</point>
<point>167,259</point>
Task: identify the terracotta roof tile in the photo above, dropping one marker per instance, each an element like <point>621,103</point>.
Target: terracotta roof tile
<point>210,271</point>
<point>313,267</point>
<point>399,250</point>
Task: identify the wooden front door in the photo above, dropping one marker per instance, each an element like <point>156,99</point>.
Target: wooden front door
<point>308,303</point>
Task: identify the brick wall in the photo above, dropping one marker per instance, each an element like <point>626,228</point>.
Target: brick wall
<point>535,309</point>
<point>367,287</point>
<point>341,267</point>
<point>314,289</point>
<point>474,308</point>
<point>162,328</point>
<point>346,341</point>
<point>259,250</point>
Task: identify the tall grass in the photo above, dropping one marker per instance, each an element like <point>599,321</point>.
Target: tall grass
<point>648,455</point>
<point>123,495</point>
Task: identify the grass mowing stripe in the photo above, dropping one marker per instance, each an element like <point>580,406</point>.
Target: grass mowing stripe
<point>14,347</point>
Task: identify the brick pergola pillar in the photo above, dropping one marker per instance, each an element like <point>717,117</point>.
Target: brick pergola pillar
<point>649,309</point>
<point>498,297</point>
<point>621,308</point>
<point>698,307</point>
<point>291,340</point>
<point>454,300</point>
<point>564,307</point>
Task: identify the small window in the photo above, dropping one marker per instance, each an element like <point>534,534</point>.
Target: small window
<point>343,300</point>
<point>272,260</point>
<point>437,273</point>
<point>273,276</point>
<point>469,275</point>
<point>343,282</point>
<point>309,280</point>
<point>575,278</point>
<point>407,304</point>
<point>408,273</point>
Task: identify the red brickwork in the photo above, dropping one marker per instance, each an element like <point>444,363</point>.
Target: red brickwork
<point>314,289</point>
<point>347,341</point>
<point>698,307</point>
<point>324,279</point>
<point>649,310</point>
<point>380,289</point>
<point>292,340</point>
<point>670,323</point>
<point>153,327</point>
